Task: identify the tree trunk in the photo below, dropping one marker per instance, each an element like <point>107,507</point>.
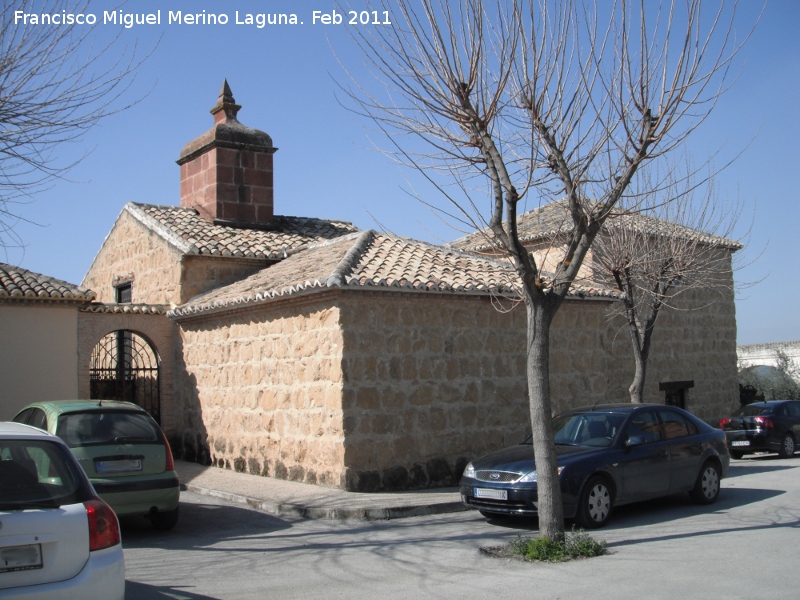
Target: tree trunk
<point>640,342</point>
<point>551,510</point>
<point>636,388</point>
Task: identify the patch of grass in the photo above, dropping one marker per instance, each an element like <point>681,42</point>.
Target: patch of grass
<point>576,544</point>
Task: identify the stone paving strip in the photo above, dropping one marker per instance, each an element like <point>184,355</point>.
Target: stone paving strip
<point>290,498</point>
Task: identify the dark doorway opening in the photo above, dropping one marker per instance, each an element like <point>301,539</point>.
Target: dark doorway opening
<point>675,392</point>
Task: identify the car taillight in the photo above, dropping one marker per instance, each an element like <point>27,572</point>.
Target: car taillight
<point>764,422</point>
<point>103,525</point>
<point>723,422</point>
<point>170,464</point>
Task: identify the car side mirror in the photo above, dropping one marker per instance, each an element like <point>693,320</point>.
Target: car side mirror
<point>634,440</point>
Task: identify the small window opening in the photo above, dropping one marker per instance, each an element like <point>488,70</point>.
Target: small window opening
<point>124,293</point>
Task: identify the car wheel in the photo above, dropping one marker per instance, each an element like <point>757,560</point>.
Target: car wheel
<point>595,504</point>
<point>787,446</point>
<point>164,521</point>
<point>706,490</point>
<point>736,454</point>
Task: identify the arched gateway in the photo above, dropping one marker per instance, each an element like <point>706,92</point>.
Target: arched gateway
<point>125,366</point>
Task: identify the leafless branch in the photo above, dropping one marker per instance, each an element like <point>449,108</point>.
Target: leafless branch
<point>510,98</point>
<point>675,242</point>
<point>55,84</point>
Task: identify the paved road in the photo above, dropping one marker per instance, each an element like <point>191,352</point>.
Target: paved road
<point>745,546</point>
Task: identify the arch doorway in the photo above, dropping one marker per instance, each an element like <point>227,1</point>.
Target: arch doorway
<point>125,366</point>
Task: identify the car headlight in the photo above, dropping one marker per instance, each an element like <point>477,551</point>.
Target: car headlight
<point>531,477</point>
<point>469,471</point>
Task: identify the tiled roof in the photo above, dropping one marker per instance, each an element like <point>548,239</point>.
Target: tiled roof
<point>376,261</point>
<point>192,234</point>
<point>20,284</point>
<point>554,218</point>
<point>132,309</point>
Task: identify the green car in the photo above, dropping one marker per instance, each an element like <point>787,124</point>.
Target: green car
<point>121,448</point>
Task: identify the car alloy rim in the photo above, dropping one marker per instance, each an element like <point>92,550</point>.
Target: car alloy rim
<point>599,503</point>
<point>788,445</point>
<point>710,482</point>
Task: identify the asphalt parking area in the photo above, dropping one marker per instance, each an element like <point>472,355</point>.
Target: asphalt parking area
<point>744,546</point>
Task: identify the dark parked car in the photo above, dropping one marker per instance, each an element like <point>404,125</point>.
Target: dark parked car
<point>772,426</point>
<point>608,455</point>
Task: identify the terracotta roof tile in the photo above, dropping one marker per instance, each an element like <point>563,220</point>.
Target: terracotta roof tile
<point>21,284</point>
<point>374,260</point>
<point>133,309</point>
<point>186,229</point>
<point>553,219</point>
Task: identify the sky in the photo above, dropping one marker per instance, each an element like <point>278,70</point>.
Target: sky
<point>286,79</point>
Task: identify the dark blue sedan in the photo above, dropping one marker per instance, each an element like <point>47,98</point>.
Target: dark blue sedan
<point>608,455</point>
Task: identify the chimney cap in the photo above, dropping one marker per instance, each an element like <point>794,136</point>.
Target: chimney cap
<point>227,131</point>
<point>225,104</point>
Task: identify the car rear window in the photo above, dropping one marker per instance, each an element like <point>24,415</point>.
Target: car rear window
<point>752,410</point>
<point>112,427</point>
<point>39,474</point>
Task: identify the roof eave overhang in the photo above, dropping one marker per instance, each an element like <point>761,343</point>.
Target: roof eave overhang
<point>187,313</point>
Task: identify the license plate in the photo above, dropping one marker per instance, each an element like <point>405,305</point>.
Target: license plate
<point>21,558</point>
<point>741,443</point>
<point>493,494</point>
<point>118,466</point>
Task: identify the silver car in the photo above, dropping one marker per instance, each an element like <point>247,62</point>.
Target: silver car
<point>58,539</point>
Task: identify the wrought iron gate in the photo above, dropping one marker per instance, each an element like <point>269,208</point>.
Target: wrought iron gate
<point>124,366</point>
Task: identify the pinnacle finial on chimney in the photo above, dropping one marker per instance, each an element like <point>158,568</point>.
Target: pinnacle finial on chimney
<point>225,94</point>
<point>226,108</point>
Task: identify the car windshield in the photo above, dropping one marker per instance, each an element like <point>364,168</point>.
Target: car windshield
<point>38,474</point>
<point>112,427</point>
<point>752,410</point>
<point>585,429</point>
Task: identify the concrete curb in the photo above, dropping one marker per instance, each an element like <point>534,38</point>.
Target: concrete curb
<point>339,514</point>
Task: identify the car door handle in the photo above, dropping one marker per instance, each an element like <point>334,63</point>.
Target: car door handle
<point>664,454</point>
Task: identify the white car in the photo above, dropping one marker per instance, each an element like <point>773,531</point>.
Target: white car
<point>58,539</point>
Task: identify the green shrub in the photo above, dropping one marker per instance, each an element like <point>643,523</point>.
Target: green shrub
<point>577,544</point>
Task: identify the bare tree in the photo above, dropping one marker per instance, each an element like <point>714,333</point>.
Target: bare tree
<point>553,99</point>
<point>55,84</point>
<point>672,244</point>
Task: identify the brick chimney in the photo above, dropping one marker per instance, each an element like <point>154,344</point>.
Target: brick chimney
<point>226,173</point>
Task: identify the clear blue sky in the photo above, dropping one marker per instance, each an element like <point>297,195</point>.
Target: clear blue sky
<point>284,77</point>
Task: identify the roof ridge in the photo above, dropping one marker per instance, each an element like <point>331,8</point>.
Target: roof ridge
<point>136,211</point>
<point>350,260</point>
<point>483,239</point>
<point>312,246</point>
<point>194,210</point>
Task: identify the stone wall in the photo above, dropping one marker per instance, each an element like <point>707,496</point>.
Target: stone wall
<point>432,381</point>
<point>260,391</point>
<point>390,390</point>
<point>201,274</point>
<point>695,341</point>
<point>130,249</point>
